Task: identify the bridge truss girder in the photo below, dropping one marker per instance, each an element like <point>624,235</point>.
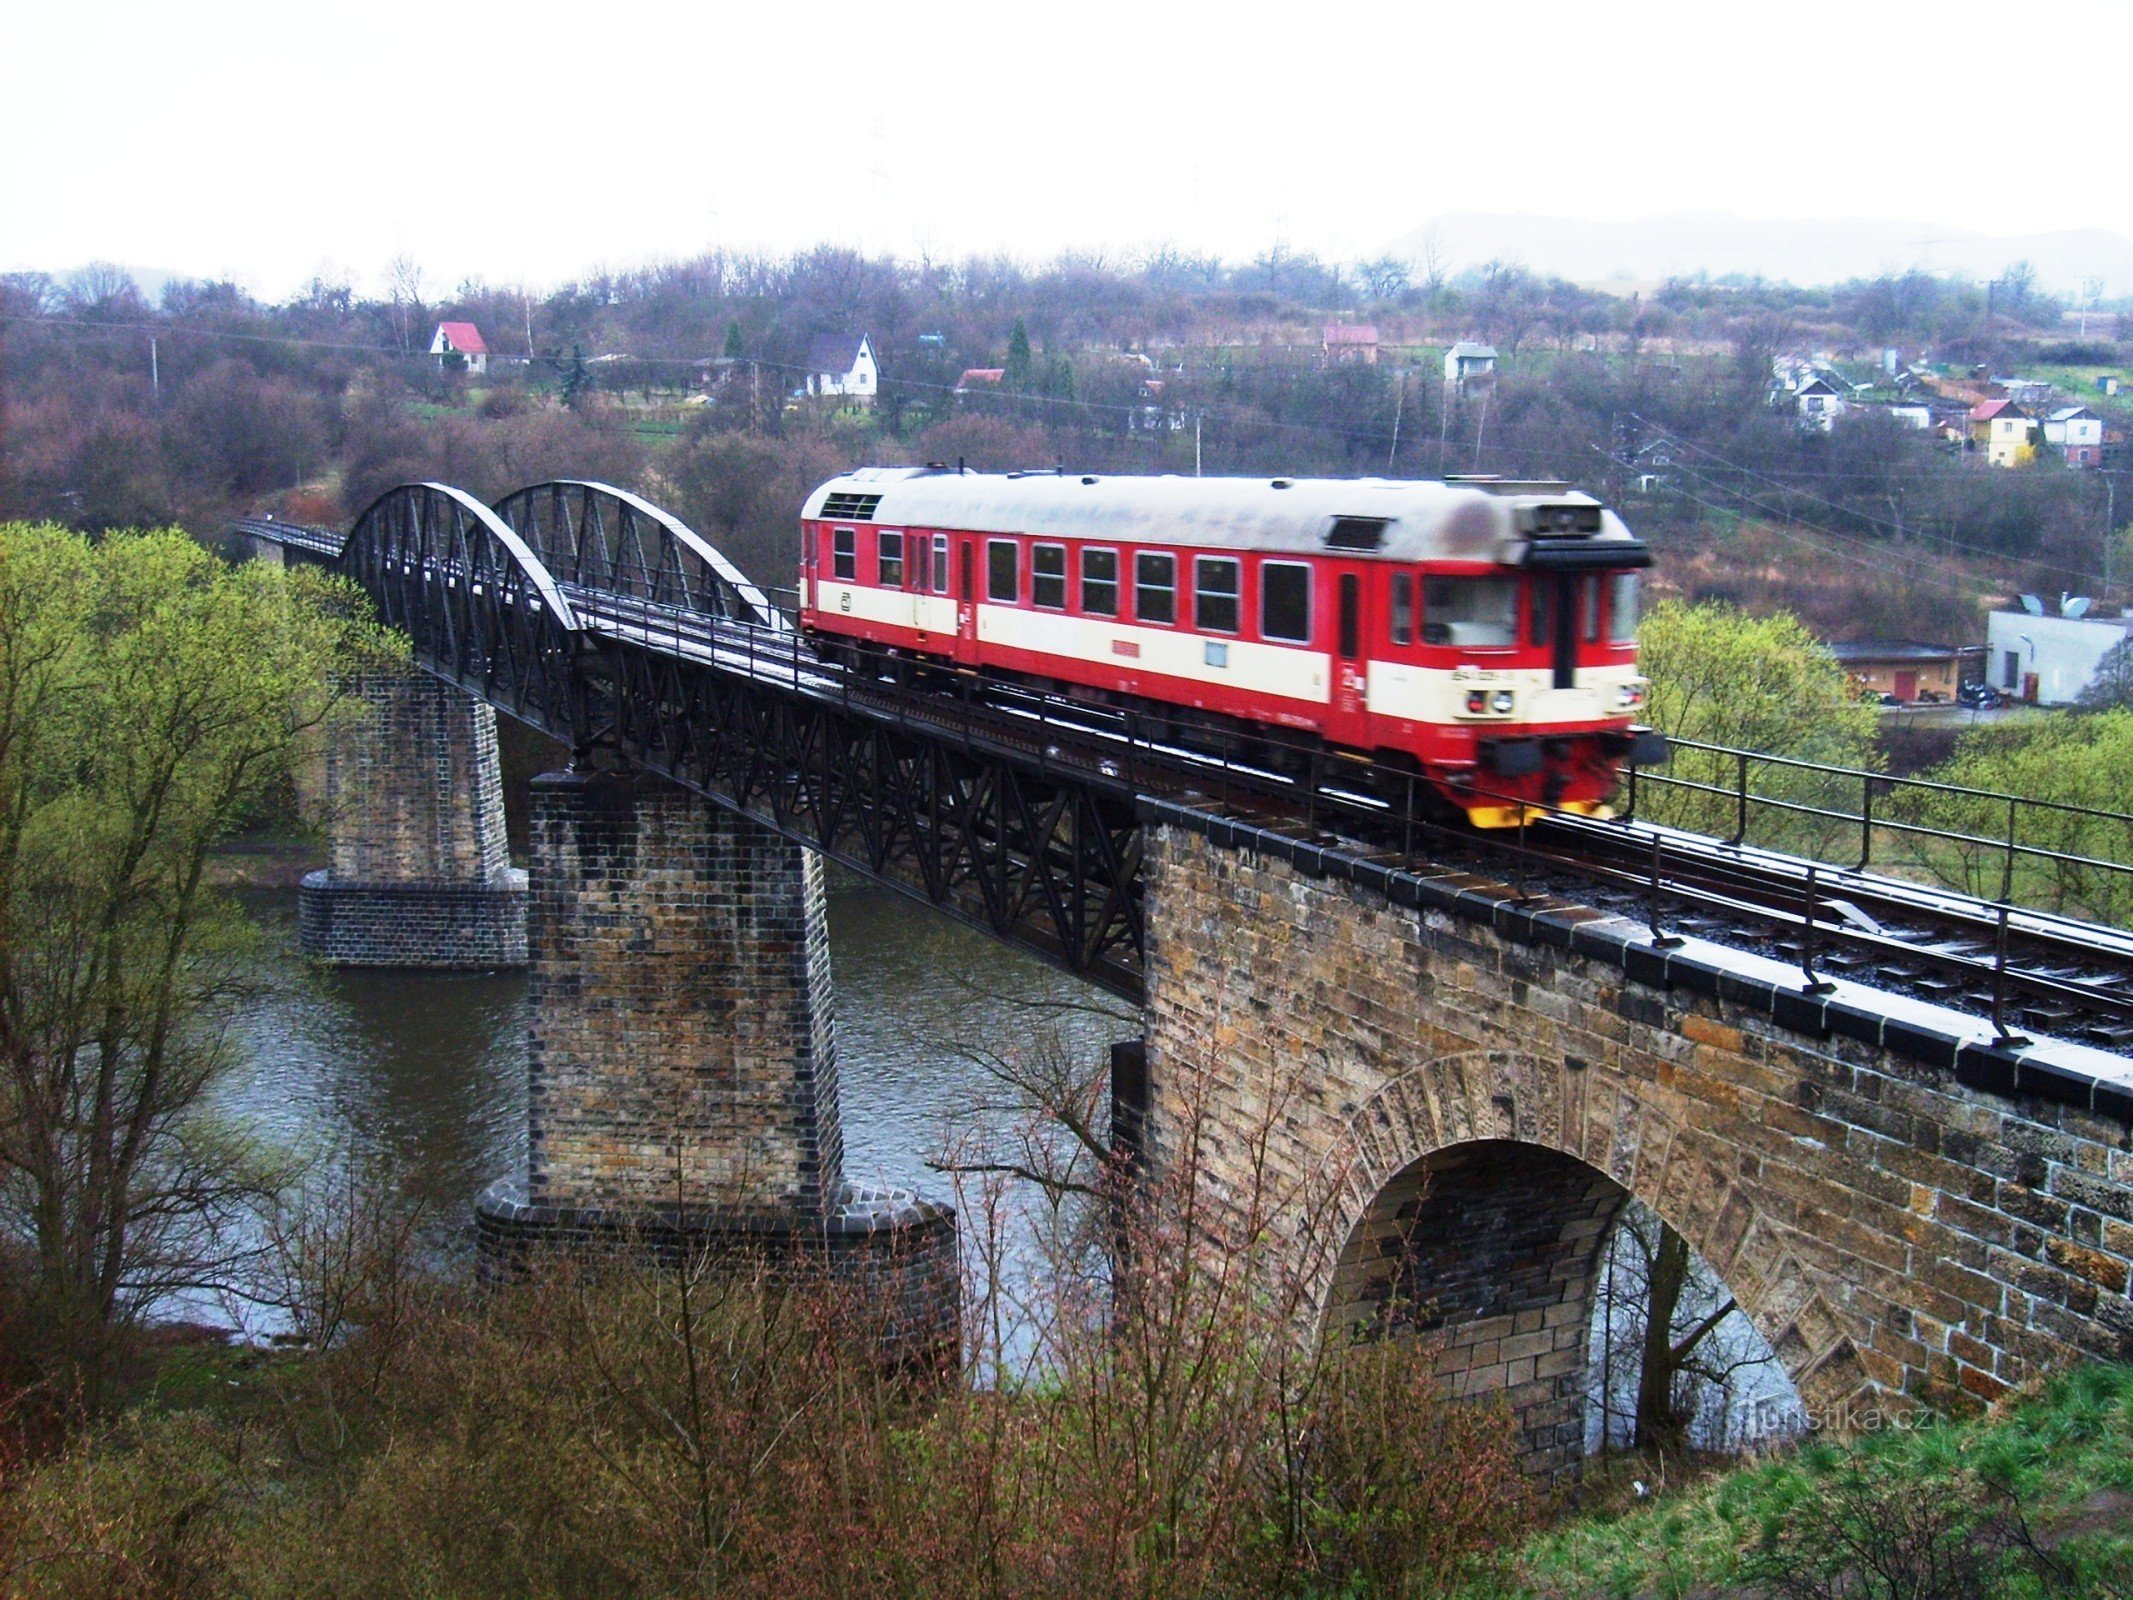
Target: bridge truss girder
<point>989,834</point>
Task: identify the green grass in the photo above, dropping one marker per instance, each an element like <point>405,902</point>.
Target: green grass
<point>2066,1456</point>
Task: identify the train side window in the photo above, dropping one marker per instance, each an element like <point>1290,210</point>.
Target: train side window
<point>889,561</point>
<point>1469,611</point>
<point>1622,608</point>
<point>1542,605</point>
<point>1403,608</point>
<point>1285,602</point>
<point>1047,576</point>
<point>1003,571</point>
<point>1155,587</point>
<point>844,553</point>
<point>1214,593</point>
<point>940,563</point>
<point>1099,582</point>
<point>1589,609</point>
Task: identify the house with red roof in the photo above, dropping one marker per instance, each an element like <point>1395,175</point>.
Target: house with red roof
<point>1351,341</point>
<point>2006,431</point>
<point>461,339</point>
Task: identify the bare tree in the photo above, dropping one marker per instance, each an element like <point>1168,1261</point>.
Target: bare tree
<point>403,287</point>
<point>1673,1352</point>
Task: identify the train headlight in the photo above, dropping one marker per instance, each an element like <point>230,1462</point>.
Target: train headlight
<point>1503,702</point>
<point>1630,696</point>
<point>1477,702</point>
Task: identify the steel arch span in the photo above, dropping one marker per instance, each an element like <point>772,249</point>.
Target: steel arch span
<point>597,537</point>
<point>605,622</point>
<point>484,612</point>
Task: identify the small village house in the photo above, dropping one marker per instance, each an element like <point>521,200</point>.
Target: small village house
<point>1469,364</point>
<point>1904,668</point>
<point>841,366</point>
<point>2004,431</point>
<point>2077,433</point>
<point>1819,403</point>
<point>460,344</point>
<point>1347,342</point>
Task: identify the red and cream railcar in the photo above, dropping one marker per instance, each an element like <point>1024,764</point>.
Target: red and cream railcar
<point>1484,632</point>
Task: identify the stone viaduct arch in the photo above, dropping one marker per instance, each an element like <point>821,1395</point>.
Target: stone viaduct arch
<point>1480,1187</point>
<point>1461,1114</point>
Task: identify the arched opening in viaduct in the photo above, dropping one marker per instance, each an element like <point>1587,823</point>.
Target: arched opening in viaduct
<point>1488,1246</point>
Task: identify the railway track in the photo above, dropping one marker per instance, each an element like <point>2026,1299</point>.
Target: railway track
<point>2030,972</point>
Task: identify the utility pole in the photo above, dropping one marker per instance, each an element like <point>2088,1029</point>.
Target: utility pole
<point>1196,416</point>
<point>1399,405</point>
<point>155,370</point>
<point>2110,529</point>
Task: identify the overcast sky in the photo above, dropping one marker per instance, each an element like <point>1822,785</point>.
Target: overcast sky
<point>530,142</point>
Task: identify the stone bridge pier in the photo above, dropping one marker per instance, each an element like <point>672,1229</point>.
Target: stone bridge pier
<point>1430,1120</point>
<point>683,1063</point>
<point>419,874</point>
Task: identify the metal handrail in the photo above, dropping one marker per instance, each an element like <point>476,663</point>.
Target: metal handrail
<point>1871,820</point>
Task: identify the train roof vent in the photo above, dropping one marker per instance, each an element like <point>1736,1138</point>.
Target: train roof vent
<point>1560,519</point>
<point>1357,533</point>
<point>846,507</point>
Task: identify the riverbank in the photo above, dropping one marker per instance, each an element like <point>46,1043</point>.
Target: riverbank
<point>2035,1499</point>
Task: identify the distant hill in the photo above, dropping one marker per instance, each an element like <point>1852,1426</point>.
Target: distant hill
<point>1682,243</point>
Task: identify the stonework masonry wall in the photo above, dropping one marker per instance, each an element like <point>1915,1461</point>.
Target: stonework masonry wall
<point>1450,1119</point>
<point>683,1041</point>
<point>418,872</point>
<point>414,788</point>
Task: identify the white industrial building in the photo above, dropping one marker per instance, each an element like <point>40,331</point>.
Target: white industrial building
<point>2048,659</point>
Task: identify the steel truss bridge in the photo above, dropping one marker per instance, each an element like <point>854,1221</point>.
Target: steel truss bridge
<point>610,625</point>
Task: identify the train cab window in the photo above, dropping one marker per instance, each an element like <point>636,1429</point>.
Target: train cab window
<point>1403,608</point>
<point>1469,611</point>
<point>890,560</point>
<point>1155,588</point>
<point>844,553</point>
<point>940,563</point>
<point>1589,610</point>
<point>1285,602</point>
<point>1542,606</point>
<point>1622,608</point>
<point>1214,593</point>
<point>1099,582</point>
<point>1003,574</point>
<point>1047,576</point>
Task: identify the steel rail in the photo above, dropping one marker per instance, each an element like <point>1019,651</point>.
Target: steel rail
<point>1299,786</point>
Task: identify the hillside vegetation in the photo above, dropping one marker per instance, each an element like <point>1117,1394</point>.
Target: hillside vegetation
<point>2036,1502</point>
<point>688,380</point>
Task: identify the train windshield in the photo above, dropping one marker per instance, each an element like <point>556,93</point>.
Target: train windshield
<point>1622,609</point>
<point>1469,611</point>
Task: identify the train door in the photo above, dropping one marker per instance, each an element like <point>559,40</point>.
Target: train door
<point>1349,721</point>
<point>966,599</point>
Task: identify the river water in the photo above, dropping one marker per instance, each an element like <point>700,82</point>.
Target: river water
<point>429,1069</point>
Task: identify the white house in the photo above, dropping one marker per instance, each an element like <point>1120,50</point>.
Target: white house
<point>1819,404</point>
<point>2078,432</point>
<point>2047,659</point>
<point>460,339</point>
<point>1469,362</point>
<point>841,365</point>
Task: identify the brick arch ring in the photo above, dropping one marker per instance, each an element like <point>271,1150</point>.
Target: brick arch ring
<point>1575,1141</point>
